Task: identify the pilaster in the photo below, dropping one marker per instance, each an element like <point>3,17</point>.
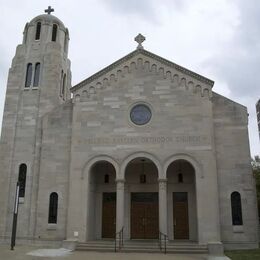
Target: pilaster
<point>120,196</point>
<point>163,205</point>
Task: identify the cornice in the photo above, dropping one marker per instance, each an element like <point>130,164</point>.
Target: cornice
<point>105,70</point>
<point>147,54</point>
<point>178,67</point>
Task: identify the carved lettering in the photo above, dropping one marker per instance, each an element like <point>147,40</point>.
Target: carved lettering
<point>185,139</point>
<point>188,139</point>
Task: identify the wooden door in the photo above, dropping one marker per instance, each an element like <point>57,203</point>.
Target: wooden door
<point>137,220</point>
<point>180,215</point>
<point>109,215</point>
<point>151,220</point>
<point>144,216</point>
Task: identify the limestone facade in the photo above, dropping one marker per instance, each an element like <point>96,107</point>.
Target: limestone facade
<point>70,143</point>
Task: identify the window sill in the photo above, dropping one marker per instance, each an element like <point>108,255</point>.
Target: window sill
<point>52,227</point>
<point>238,229</point>
<point>21,200</point>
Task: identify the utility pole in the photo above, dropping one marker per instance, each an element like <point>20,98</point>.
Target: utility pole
<point>16,203</point>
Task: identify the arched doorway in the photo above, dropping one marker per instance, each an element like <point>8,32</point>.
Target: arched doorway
<point>141,176</point>
<point>102,201</point>
<point>182,209</point>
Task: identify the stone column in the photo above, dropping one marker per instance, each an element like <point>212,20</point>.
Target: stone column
<point>163,206</point>
<point>120,203</point>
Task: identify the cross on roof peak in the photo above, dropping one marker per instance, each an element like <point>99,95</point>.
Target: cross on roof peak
<point>49,10</point>
<point>139,39</point>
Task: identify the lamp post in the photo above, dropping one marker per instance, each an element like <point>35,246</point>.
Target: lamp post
<point>16,203</point>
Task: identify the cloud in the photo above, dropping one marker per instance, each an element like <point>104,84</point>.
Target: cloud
<point>217,39</point>
<point>235,62</point>
<point>238,61</point>
<point>144,9</point>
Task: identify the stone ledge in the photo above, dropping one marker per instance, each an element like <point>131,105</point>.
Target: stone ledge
<point>238,229</point>
<point>52,227</point>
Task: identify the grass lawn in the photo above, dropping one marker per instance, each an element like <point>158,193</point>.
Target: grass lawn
<point>253,254</point>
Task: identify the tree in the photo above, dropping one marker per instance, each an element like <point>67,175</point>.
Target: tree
<point>256,171</point>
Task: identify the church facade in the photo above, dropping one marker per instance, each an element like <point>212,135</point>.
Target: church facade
<point>143,145</point>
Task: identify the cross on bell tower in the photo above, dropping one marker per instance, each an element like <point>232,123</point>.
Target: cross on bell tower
<point>49,10</point>
<point>139,39</point>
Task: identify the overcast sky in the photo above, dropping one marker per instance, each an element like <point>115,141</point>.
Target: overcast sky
<point>219,39</point>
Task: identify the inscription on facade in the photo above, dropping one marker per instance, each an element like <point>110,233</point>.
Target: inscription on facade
<point>186,139</point>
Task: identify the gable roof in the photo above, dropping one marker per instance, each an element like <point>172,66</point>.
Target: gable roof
<point>147,54</point>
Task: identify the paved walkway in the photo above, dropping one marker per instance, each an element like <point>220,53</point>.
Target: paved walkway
<point>20,253</point>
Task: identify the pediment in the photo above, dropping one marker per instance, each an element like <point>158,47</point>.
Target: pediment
<point>141,59</point>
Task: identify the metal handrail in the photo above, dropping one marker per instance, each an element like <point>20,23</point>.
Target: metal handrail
<point>164,246</point>
<point>120,236</point>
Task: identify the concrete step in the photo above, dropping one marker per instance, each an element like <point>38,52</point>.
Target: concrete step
<point>99,246</point>
<point>142,246</point>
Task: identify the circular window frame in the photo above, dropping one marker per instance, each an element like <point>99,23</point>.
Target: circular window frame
<point>148,106</point>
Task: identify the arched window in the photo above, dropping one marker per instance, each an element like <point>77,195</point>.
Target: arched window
<point>22,179</point>
<point>54,32</point>
<point>36,75</point>
<point>38,31</point>
<point>66,42</point>
<point>236,209</point>
<point>53,208</point>
<point>28,78</point>
<point>61,83</point>
<point>63,86</point>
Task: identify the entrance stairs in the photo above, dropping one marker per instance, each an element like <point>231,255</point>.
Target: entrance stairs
<point>143,246</point>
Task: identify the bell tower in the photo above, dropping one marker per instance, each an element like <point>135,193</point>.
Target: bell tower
<point>45,53</point>
<point>39,80</point>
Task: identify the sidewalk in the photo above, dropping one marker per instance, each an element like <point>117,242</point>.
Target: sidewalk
<point>20,253</point>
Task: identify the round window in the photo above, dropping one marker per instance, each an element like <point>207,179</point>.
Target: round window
<point>140,114</point>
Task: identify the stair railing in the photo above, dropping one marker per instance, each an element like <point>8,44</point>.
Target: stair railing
<point>163,242</point>
<point>119,236</point>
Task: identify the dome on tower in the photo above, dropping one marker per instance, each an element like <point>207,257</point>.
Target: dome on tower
<point>46,28</point>
<point>49,19</point>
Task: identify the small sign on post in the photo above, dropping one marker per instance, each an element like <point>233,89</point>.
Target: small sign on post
<point>16,203</point>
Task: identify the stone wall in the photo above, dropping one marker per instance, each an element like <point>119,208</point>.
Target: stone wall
<point>234,172</point>
<point>181,125</point>
<point>54,171</point>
